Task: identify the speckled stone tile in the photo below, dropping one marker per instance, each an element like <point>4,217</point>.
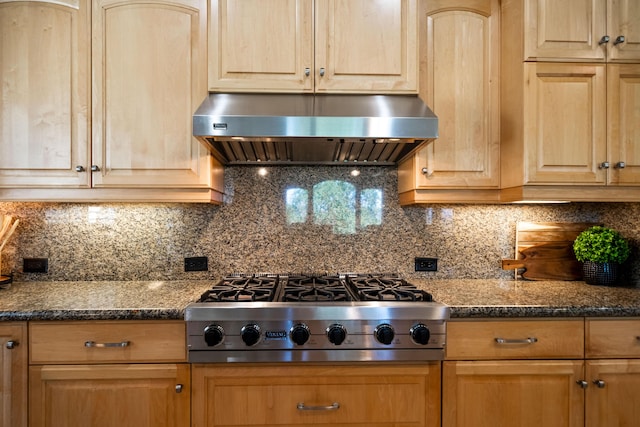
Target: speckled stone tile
<point>285,221</point>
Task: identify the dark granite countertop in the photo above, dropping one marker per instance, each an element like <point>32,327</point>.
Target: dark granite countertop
<point>476,298</point>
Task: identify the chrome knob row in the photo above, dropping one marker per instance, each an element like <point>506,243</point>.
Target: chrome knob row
<point>605,39</point>
<point>94,168</point>
<point>607,165</point>
<point>300,333</point>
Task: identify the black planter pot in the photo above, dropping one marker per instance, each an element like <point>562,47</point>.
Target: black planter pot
<point>601,273</point>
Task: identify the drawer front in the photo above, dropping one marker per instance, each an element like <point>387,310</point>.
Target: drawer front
<point>338,396</point>
<point>107,342</point>
<point>515,339</point>
<point>613,338</point>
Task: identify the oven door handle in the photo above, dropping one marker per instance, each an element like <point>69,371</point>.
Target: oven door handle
<point>334,406</point>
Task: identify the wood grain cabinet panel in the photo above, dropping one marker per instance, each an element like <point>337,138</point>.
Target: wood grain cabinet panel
<point>361,46</point>
<point>459,44</point>
<point>141,395</point>
<point>569,123</point>
<point>109,341</point>
<point>46,88</point>
<point>149,66</point>
<point>109,373</point>
<point>13,374</point>
<point>507,393</point>
<point>295,395</point>
<point>515,339</point>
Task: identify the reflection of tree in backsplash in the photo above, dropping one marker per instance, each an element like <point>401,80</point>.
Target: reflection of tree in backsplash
<point>335,203</point>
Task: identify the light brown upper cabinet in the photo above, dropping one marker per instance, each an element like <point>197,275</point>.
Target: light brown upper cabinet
<point>359,46</point>
<point>581,30</point>
<point>459,41</point>
<point>570,126</point>
<point>46,87</point>
<point>149,77</point>
<point>98,100</point>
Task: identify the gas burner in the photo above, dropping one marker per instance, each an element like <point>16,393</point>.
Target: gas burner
<point>385,288</point>
<point>242,288</point>
<point>305,288</point>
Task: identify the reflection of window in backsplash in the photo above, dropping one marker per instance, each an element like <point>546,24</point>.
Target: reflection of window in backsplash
<point>294,218</point>
<point>339,204</point>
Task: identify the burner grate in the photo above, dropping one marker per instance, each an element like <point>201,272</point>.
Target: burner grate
<point>305,288</point>
<point>243,288</point>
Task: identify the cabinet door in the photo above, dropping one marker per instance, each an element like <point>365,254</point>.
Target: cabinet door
<point>568,30</point>
<point>109,395</point>
<point>506,393</point>
<point>623,123</point>
<point>366,46</point>
<point>565,123</point>
<point>623,19</point>
<point>13,375</point>
<point>294,395</point>
<point>462,88</point>
<point>613,397</point>
<point>149,67</point>
<point>44,73</point>
<point>261,45</point>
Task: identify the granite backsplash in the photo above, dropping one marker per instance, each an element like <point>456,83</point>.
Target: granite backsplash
<point>299,219</point>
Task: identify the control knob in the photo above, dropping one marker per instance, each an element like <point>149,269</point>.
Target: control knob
<point>213,335</point>
<point>300,333</point>
<point>250,334</point>
<point>336,334</point>
<point>420,334</point>
<point>384,334</point>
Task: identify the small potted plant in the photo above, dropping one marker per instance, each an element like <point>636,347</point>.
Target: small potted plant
<point>601,250</point>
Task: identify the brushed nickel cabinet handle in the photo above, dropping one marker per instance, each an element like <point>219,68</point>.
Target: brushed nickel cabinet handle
<point>530,340</point>
<point>179,388</point>
<point>95,168</point>
<point>618,40</point>
<point>604,165</point>
<point>93,344</point>
<point>80,168</point>
<point>582,383</point>
<point>599,383</point>
<point>620,165</point>
<point>11,344</point>
<point>307,71</point>
<point>604,40</point>
<point>334,406</point>
<point>322,72</point>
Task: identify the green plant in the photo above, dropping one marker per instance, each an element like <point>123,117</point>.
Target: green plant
<point>601,244</point>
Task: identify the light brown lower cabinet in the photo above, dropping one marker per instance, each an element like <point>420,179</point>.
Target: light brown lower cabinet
<point>551,373</point>
<point>108,374</point>
<point>13,374</point>
<point>320,395</point>
<point>136,395</point>
<point>519,393</point>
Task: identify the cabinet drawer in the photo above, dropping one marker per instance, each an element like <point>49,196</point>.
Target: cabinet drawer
<point>107,341</point>
<point>515,339</point>
<point>373,396</point>
<point>613,338</point>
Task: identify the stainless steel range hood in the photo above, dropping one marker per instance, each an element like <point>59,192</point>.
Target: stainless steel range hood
<point>313,129</point>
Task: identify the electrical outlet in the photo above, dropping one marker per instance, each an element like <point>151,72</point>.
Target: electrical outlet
<point>35,265</point>
<point>426,264</point>
<point>196,263</point>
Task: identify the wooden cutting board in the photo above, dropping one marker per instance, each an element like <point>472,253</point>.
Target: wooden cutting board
<point>545,250</point>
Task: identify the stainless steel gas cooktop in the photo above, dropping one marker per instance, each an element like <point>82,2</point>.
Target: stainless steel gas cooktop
<point>315,317</point>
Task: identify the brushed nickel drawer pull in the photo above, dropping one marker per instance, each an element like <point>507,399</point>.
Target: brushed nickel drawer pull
<point>599,383</point>
<point>334,406</point>
<point>11,344</point>
<point>530,340</point>
<point>582,383</point>
<point>94,344</point>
